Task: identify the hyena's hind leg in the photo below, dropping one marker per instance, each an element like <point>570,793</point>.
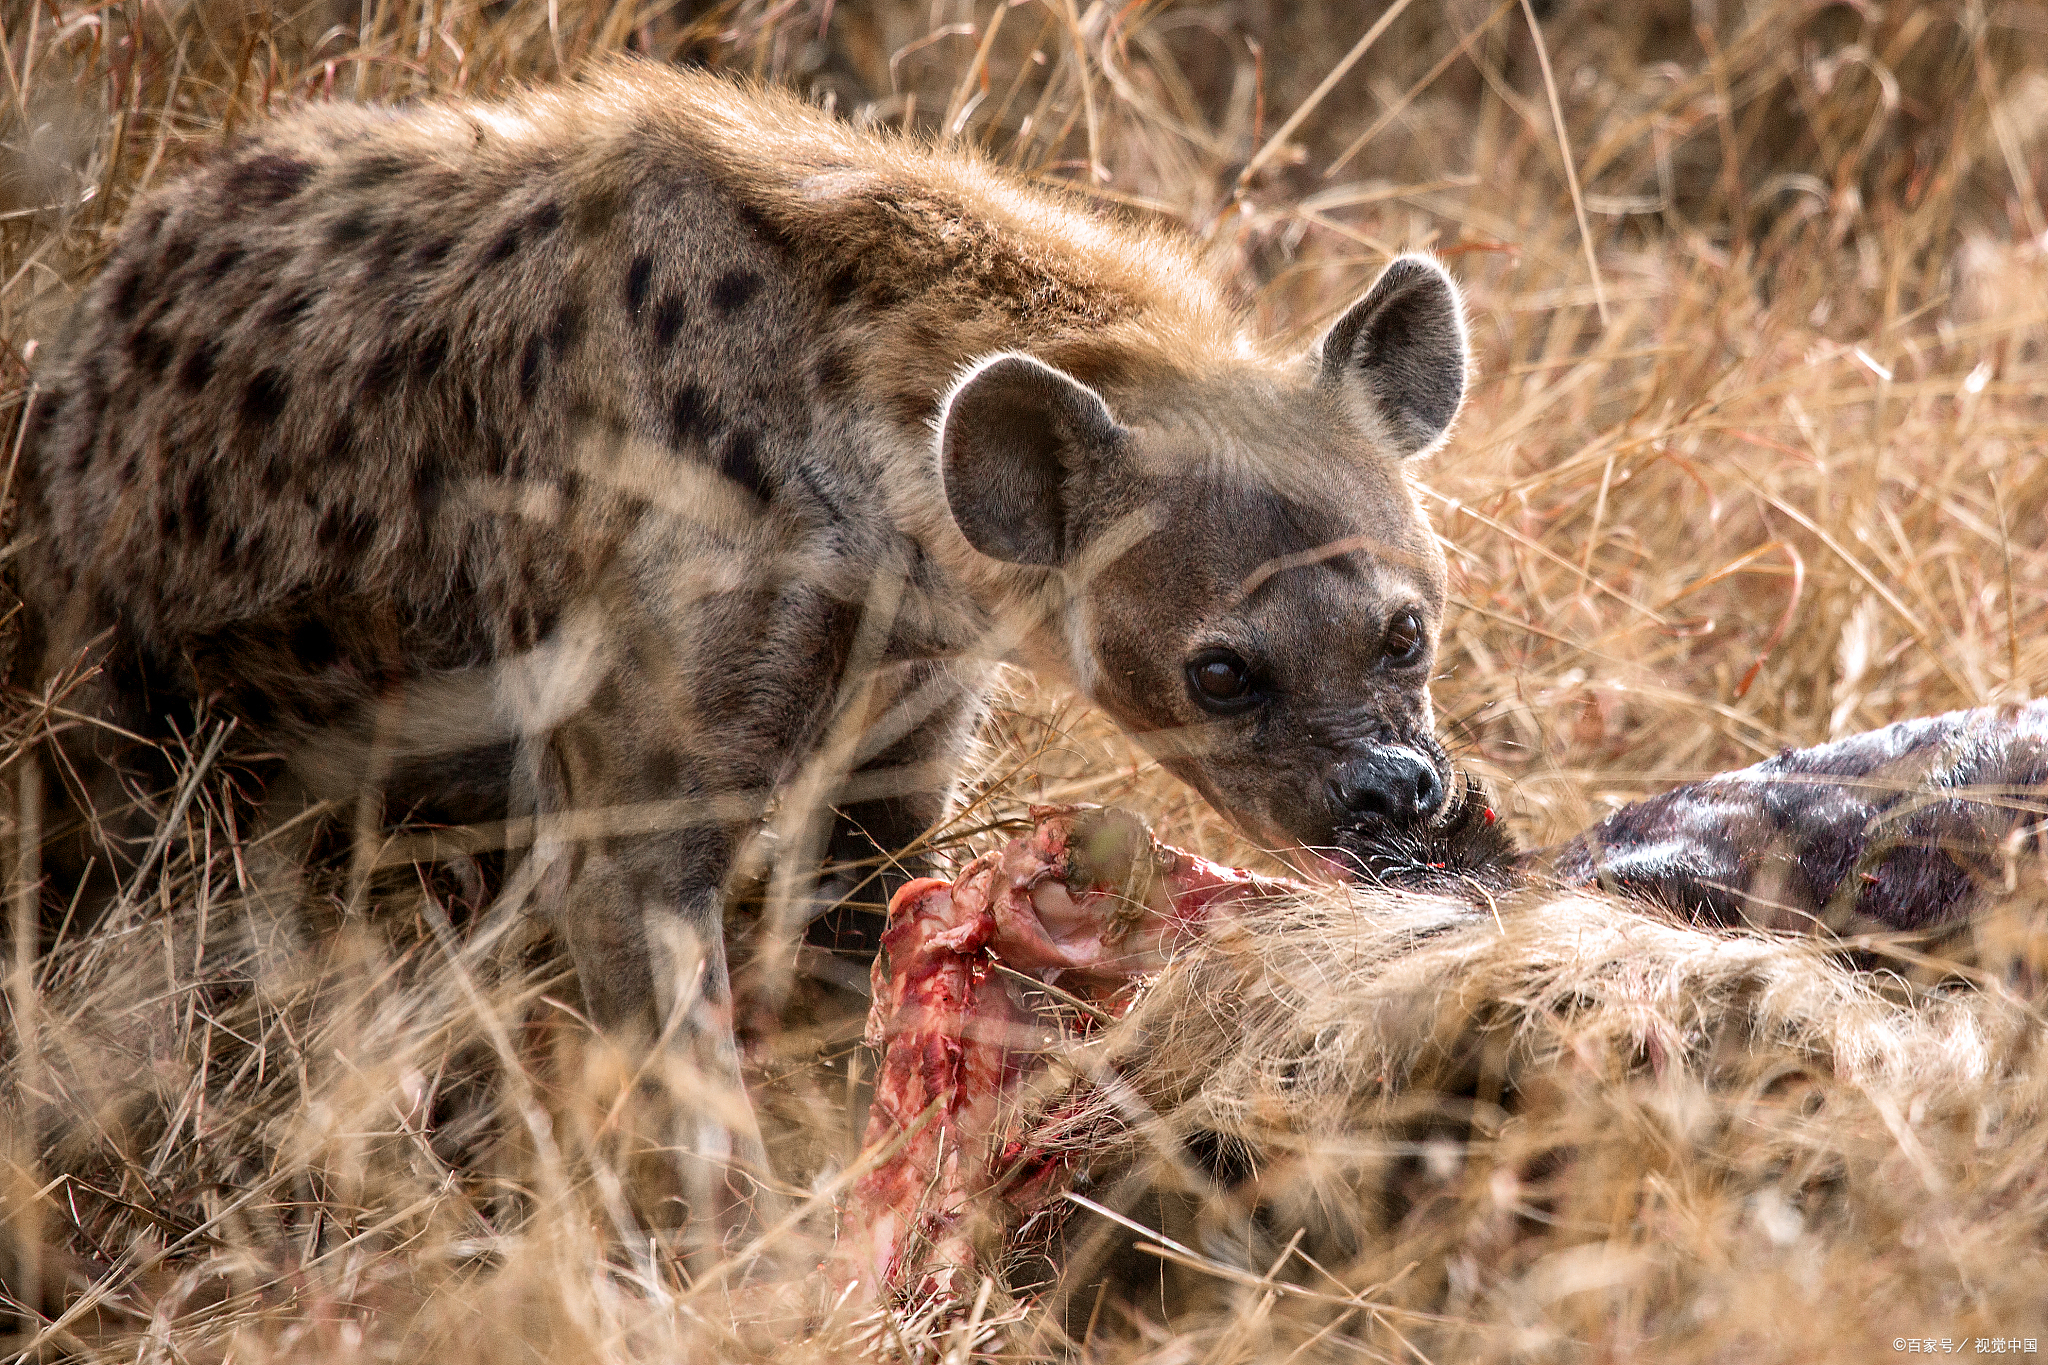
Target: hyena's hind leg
<point>100,797</point>
<point>432,752</point>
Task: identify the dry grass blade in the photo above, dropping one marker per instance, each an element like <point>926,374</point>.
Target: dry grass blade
<point>1564,152</point>
<point>1427,79</point>
<point>1315,98</point>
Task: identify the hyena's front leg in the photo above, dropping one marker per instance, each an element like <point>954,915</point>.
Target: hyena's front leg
<point>635,834</point>
<point>893,799</point>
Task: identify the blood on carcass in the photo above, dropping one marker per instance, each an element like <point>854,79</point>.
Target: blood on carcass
<point>1085,904</point>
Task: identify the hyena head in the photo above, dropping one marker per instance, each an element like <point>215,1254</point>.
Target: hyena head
<point>1255,592</point>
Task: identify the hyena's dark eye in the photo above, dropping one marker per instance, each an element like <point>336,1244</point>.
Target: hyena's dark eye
<point>1405,639</point>
<point>1221,681</point>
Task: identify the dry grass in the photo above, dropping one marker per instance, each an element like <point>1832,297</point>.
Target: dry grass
<point>1755,457</point>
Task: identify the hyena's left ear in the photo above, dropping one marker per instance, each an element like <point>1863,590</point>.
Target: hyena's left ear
<point>1398,356</point>
<point>1020,444</point>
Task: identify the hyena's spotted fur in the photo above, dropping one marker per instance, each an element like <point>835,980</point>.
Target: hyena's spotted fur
<point>575,457</point>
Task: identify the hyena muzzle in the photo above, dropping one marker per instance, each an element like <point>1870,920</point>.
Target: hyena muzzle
<point>635,458</point>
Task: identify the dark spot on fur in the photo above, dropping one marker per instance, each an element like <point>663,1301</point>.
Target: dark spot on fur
<point>733,289</point>
<point>262,181</point>
<point>659,769</point>
<point>503,248</point>
<point>340,444</point>
<point>224,260</point>
<point>1228,1160</point>
<point>596,210</point>
<point>881,296</point>
<point>289,309</point>
<point>387,248</point>
<point>375,170</point>
<point>529,367</point>
<point>544,219</point>
<point>256,706</point>
<point>427,488</point>
<point>385,370</point>
<point>263,401</point>
<point>921,575</point>
<point>79,457</point>
<point>741,463</point>
<point>668,319</point>
<point>562,331</point>
<point>428,357</point>
<point>911,406</point>
<point>433,251</point>
<point>690,415</point>
<point>128,290</point>
<point>151,351</point>
<point>349,230</point>
<point>540,621</point>
<point>238,550</point>
<point>42,411</point>
<point>312,644</point>
<point>834,370</point>
<point>638,277</point>
<point>570,486</point>
<point>344,531</point>
<point>43,406</point>
<point>497,460</point>
<point>842,285</point>
<point>198,366</point>
<point>176,252</point>
<point>197,503</point>
<point>606,699</point>
<point>276,476</point>
<point>420,359</point>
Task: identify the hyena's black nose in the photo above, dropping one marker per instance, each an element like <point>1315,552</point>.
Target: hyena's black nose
<point>1394,783</point>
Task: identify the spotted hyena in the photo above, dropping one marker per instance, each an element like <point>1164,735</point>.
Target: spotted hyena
<point>636,454</point>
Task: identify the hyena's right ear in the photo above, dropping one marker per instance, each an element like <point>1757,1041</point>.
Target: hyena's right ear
<point>1398,356</point>
<point>1019,445</point>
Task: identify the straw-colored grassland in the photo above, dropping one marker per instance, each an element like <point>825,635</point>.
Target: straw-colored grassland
<point>1755,455</point>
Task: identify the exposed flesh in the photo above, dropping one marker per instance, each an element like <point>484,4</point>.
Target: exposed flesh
<point>1085,906</point>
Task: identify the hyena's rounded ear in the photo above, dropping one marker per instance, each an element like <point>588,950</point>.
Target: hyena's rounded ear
<point>1398,356</point>
<point>1018,444</point>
